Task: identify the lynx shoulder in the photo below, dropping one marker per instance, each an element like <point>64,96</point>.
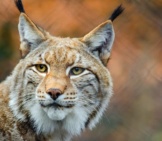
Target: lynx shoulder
<point>60,87</point>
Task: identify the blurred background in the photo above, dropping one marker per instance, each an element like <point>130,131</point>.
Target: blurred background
<point>135,111</point>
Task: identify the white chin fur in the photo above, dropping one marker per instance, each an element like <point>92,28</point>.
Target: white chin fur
<point>56,114</point>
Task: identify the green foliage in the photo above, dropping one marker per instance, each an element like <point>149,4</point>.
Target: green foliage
<point>5,41</point>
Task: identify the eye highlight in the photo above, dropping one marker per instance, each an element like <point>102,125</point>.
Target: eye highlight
<point>41,68</point>
<point>76,71</point>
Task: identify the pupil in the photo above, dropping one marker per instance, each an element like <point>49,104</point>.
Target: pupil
<point>41,66</point>
<point>76,69</point>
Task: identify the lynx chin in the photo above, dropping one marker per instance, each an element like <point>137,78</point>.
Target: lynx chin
<point>60,86</point>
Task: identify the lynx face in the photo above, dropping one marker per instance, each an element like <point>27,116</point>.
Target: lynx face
<point>62,78</point>
<point>61,85</point>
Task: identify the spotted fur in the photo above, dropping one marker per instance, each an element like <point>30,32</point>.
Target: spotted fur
<point>28,112</point>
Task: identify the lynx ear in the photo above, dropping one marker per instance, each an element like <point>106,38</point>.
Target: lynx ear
<point>30,35</point>
<point>100,41</point>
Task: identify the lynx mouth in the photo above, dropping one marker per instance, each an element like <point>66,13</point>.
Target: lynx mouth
<point>56,105</point>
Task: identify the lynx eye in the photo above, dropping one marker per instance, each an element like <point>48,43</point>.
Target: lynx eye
<point>41,68</point>
<point>76,71</point>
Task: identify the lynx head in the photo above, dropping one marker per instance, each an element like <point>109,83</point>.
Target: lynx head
<point>62,81</point>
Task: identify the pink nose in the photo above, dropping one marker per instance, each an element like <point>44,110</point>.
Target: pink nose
<point>54,93</point>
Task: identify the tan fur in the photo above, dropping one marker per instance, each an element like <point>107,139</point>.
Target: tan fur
<point>28,113</point>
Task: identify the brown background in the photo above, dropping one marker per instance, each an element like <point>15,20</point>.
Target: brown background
<point>135,111</point>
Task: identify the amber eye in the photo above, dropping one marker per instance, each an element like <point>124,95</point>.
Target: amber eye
<point>76,71</point>
<point>41,68</point>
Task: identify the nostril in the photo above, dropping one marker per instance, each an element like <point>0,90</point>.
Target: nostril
<point>49,93</point>
<point>58,94</point>
<point>54,93</point>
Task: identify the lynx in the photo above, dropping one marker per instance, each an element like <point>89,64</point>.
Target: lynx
<point>60,86</point>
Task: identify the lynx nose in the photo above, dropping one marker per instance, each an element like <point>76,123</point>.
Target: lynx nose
<point>54,93</point>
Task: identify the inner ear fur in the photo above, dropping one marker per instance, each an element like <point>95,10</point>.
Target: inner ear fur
<point>99,41</point>
<point>30,35</point>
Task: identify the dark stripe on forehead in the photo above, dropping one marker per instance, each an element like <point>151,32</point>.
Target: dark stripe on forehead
<point>79,60</point>
<point>60,55</point>
<point>40,57</point>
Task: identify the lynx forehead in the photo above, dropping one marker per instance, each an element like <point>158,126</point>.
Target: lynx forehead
<point>60,87</point>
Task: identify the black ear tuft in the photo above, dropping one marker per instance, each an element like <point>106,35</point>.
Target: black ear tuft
<point>19,5</point>
<point>116,13</point>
